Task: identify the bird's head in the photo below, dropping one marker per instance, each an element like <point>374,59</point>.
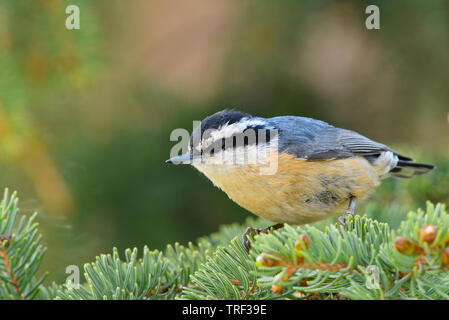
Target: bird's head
<point>228,137</point>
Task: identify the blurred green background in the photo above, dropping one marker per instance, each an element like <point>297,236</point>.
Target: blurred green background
<point>86,115</point>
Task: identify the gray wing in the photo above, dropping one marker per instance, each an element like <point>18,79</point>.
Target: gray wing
<point>311,139</point>
<point>341,143</point>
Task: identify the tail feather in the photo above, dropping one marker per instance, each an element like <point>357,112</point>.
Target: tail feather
<point>406,169</point>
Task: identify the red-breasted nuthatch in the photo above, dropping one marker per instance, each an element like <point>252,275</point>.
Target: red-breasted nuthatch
<point>319,171</point>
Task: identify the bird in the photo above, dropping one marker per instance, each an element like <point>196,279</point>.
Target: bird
<point>291,169</point>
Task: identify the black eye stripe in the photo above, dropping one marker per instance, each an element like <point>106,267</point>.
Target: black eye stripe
<point>236,140</point>
<point>260,131</point>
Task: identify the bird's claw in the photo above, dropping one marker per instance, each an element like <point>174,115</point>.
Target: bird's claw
<point>342,218</point>
<point>245,238</point>
<point>250,231</point>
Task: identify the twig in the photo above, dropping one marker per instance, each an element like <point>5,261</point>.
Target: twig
<point>5,258</point>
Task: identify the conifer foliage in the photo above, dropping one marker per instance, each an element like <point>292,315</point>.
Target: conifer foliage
<point>366,260</point>
<point>20,252</point>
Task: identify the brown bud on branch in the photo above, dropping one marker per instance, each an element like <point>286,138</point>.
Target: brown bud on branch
<point>427,233</point>
<point>305,240</point>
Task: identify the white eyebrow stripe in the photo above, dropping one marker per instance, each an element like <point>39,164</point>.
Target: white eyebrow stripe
<point>228,130</point>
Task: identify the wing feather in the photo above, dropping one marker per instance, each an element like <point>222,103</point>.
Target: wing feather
<point>316,140</point>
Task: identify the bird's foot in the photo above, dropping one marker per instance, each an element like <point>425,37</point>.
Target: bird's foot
<point>342,218</point>
<point>249,231</point>
<point>349,212</point>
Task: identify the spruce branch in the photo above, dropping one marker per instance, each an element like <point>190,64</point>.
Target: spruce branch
<point>366,260</point>
<point>341,261</point>
<point>227,274</point>
<point>20,251</point>
<point>294,263</point>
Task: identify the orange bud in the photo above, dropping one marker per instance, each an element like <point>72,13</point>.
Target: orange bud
<point>403,245</point>
<point>305,239</point>
<point>277,289</point>
<point>445,257</point>
<point>288,272</point>
<point>265,261</point>
<point>427,233</point>
<point>299,260</point>
<point>298,294</point>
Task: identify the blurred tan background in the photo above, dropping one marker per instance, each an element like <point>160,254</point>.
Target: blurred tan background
<point>85,115</point>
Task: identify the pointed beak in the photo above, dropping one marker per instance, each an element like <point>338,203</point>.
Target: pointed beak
<point>182,159</point>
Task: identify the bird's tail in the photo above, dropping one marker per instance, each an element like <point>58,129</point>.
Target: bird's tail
<point>407,169</point>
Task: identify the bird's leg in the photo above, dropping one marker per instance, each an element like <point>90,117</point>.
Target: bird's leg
<point>250,231</point>
<point>348,212</point>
